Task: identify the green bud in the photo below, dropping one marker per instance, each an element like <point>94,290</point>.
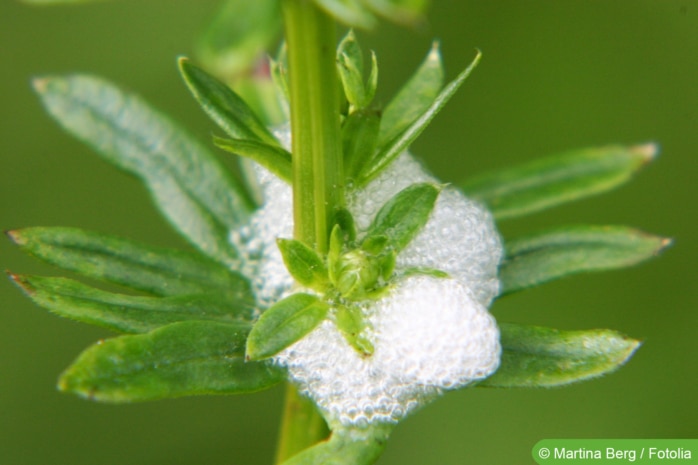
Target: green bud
<point>357,273</point>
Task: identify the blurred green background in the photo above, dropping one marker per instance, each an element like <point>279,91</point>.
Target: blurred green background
<point>555,75</point>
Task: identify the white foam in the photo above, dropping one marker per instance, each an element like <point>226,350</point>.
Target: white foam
<point>429,334</point>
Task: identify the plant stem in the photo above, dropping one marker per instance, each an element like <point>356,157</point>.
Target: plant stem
<point>301,425</point>
<point>317,172</point>
<point>314,88</point>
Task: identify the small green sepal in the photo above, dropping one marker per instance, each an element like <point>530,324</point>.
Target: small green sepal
<point>351,72</point>
<point>424,271</point>
<point>351,323</point>
<point>344,219</point>
<point>304,264</point>
<point>285,323</point>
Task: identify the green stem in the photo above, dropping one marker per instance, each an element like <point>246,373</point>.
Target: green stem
<point>301,426</point>
<point>317,172</point>
<point>314,88</point>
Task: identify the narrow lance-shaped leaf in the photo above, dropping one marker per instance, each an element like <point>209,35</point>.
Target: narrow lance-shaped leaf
<point>407,12</point>
<point>401,218</point>
<point>553,181</point>
<point>544,357</point>
<point>279,77</point>
<point>414,98</point>
<point>260,94</point>
<point>190,187</point>
<point>284,323</point>
<point>352,80</point>
<point>59,2</point>
<point>272,157</point>
<point>347,446</point>
<point>387,153</point>
<point>549,255</point>
<point>304,264</point>
<point>180,359</point>
<point>137,266</point>
<point>240,32</point>
<point>129,313</point>
<point>350,12</point>
<point>372,83</point>
<point>350,68</point>
<point>224,106</point>
<point>359,138</point>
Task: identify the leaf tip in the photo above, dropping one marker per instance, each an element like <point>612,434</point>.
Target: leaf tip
<point>664,243</point>
<point>252,353</point>
<point>648,152</point>
<point>40,84</point>
<point>22,282</point>
<point>478,56</point>
<point>435,52</point>
<point>15,236</point>
<point>182,62</point>
<point>69,383</point>
<point>632,346</point>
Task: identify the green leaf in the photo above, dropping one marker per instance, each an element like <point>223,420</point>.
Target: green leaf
<point>180,359</point>
<point>304,264</point>
<point>284,323</point>
<point>59,2</point>
<point>542,257</point>
<point>372,83</point>
<point>349,48</point>
<point>424,271</point>
<point>335,252</point>
<point>343,218</point>
<point>350,68</point>
<point>133,265</point>
<point>352,80</point>
<point>350,12</point>
<point>552,181</point>
<point>543,357</point>
<point>262,96</point>
<point>352,324</point>
<point>190,187</point>
<point>128,313</point>
<point>399,144</point>
<point>414,98</point>
<point>359,138</point>
<point>408,12</point>
<point>224,106</point>
<point>347,446</point>
<point>401,218</point>
<point>272,157</point>
<point>279,76</point>
<point>239,34</point>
